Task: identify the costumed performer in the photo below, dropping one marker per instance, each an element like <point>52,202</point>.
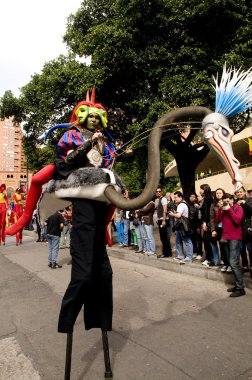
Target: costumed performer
<point>18,210</point>
<point>4,205</point>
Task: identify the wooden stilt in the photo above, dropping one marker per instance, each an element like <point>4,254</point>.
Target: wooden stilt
<point>68,356</point>
<point>108,374</point>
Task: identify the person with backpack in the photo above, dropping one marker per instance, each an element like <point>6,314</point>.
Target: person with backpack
<point>183,233</point>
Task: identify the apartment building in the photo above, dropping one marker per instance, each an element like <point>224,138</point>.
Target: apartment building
<point>13,167</point>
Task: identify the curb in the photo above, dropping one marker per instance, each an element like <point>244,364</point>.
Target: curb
<point>194,269</point>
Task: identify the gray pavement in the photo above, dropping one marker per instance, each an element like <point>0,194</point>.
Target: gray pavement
<point>167,324</point>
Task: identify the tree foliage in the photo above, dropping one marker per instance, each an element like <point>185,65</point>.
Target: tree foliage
<point>146,59</point>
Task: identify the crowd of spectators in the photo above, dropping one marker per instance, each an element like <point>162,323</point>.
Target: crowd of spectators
<point>213,227</point>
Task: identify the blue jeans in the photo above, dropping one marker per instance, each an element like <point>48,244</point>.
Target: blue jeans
<point>180,238</point>
<point>215,250</point>
<point>149,236</point>
<point>140,236</point>
<point>65,237</point>
<point>233,255</point>
<point>120,232</point>
<point>53,246</point>
<point>126,231</point>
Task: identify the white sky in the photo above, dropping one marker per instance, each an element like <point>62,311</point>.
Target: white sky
<point>31,33</point>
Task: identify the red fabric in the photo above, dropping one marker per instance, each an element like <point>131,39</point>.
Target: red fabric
<point>231,222</point>
<point>111,210</point>
<point>38,180</point>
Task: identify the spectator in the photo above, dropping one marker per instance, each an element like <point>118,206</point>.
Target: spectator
<point>65,233</point>
<point>126,224</point>
<point>137,221</point>
<point>55,224</point>
<point>205,191</point>
<point>133,236</point>
<point>182,211</point>
<point>119,226</point>
<point>163,223</point>
<point>170,207</point>
<point>216,231</point>
<point>198,205</point>
<point>246,203</point>
<point>231,216</point>
<point>38,228</point>
<point>195,224</point>
<point>147,213</point>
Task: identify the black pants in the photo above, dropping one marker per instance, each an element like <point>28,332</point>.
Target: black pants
<point>91,276</point>
<point>163,233</point>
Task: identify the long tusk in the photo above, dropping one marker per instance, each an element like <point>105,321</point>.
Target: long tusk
<point>153,173</point>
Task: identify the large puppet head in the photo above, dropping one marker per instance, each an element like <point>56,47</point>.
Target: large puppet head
<point>87,113</point>
<point>233,95</point>
<point>88,107</point>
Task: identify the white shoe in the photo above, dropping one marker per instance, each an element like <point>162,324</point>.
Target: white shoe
<point>198,257</point>
<point>229,270</point>
<point>224,268</point>
<point>177,258</point>
<point>205,263</point>
<point>222,262</point>
<point>185,261</point>
<point>194,256</point>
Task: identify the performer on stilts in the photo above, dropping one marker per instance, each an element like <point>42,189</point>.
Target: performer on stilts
<point>82,145</point>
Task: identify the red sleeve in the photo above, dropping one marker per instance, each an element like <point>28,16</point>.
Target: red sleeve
<point>236,214</point>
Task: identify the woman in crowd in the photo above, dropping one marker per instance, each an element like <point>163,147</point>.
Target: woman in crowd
<point>119,226</point>
<point>216,233</point>
<point>147,213</point>
<point>205,191</point>
<point>194,213</point>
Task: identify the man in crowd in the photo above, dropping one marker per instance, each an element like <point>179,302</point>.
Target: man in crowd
<point>55,224</point>
<point>231,216</point>
<point>163,223</point>
<point>181,236</point>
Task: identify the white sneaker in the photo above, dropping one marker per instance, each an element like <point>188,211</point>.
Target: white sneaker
<point>194,256</point>
<point>229,270</point>
<point>205,263</point>
<point>185,261</point>
<point>224,268</point>
<point>177,258</point>
<point>198,257</point>
<point>222,262</point>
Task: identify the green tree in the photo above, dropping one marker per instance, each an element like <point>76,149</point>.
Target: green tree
<point>146,60</point>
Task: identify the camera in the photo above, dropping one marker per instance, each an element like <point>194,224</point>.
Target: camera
<point>225,203</point>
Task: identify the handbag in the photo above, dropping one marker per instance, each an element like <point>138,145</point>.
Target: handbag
<point>183,224</point>
<point>146,219</point>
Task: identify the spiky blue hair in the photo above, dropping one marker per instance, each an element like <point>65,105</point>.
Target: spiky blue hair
<point>234,93</point>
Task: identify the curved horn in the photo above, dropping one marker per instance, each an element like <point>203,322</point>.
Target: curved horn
<point>153,174</point>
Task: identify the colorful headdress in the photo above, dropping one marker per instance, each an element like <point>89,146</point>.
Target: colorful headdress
<point>91,107</point>
<point>234,93</point>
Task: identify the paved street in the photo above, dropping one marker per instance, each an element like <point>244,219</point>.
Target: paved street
<point>166,325</point>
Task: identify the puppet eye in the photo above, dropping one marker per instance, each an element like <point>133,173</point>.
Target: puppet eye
<point>225,132</point>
